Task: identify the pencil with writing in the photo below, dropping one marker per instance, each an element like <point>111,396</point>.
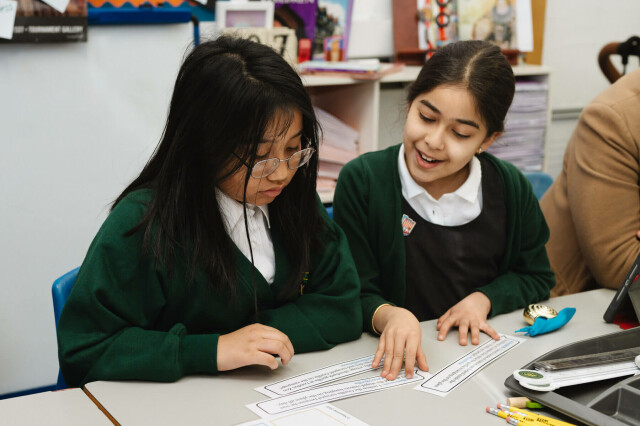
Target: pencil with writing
<point>508,415</point>
<point>538,417</point>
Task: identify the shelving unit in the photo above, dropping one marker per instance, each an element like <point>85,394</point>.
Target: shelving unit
<point>355,102</point>
<point>361,104</point>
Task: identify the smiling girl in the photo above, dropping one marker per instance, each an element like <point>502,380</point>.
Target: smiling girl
<point>219,254</point>
<point>439,228</point>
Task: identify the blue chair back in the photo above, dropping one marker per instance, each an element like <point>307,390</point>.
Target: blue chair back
<point>330,211</point>
<point>540,182</point>
<point>60,292</point>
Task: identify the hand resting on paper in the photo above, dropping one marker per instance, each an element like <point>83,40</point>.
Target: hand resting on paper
<point>469,315</point>
<point>255,344</point>
<point>400,341</point>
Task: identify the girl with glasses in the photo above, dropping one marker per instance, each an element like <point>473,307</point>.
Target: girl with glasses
<point>439,229</point>
<point>219,254</point>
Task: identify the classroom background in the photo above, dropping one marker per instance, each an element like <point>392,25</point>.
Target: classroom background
<point>79,120</point>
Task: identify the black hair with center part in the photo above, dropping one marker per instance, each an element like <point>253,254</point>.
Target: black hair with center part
<point>477,66</point>
<point>228,93</point>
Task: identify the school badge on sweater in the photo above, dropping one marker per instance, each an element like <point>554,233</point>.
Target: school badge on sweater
<point>407,225</point>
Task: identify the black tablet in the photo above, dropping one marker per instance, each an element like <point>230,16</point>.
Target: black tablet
<point>627,298</point>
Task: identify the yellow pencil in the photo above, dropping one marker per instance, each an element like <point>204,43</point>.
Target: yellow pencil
<point>521,422</point>
<point>508,415</point>
<point>534,416</point>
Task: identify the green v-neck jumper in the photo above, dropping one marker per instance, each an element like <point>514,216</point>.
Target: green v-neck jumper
<point>368,206</point>
<point>127,318</point>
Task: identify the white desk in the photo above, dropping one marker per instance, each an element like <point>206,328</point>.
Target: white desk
<point>62,408</point>
<point>200,400</point>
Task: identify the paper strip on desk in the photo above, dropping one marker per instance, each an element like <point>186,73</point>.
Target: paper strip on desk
<point>463,368</point>
<point>320,415</point>
<point>311,397</point>
<point>8,10</point>
<point>319,377</point>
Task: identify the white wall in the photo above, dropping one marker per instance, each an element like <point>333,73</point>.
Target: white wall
<point>78,121</point>
<point>371,29</point>
<point>575,31</point>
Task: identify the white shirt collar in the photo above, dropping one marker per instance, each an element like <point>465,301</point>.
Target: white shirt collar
<point>467,191</point>
<point>258,244</point>
<point>232,210</point>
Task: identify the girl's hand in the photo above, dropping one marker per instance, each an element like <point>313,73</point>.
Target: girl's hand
<point>469,314</point>
<point>400,340</point>
<point>254,344</point>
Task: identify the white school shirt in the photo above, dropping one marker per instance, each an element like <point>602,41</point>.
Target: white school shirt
<point>264,258</point>
<point>453,209</point>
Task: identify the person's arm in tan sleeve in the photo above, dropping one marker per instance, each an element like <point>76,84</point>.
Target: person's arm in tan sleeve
<point>604,195</point>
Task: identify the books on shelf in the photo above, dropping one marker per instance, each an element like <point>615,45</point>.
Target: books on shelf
<point>520,137</point>
<point>522,142</point>
<point>336,155</point>
<point>329,169</point>
<point>336,133</point>
<point>359,69</point>
<point>338,146</point>
<point>353,66</point>
<point>325,185</point>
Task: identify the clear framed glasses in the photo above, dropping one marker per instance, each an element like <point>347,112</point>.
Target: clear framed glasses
<point>265,167</point>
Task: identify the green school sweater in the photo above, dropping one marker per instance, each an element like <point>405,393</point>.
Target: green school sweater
<point>128,319</point>
<point>368,206</point>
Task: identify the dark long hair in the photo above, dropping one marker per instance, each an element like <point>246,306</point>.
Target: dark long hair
<point>227,93</point>
<point>478,66</point>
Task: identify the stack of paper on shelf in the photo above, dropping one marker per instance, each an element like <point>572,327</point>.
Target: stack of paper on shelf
<point>338,146</point>
<point>358,69</point>
<point>522,142</point>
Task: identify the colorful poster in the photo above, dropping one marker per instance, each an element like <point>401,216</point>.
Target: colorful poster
<point>299,15</point>
<point>36,21</point>
<point>119,12</point>
<point>333,21</point>
<point>437,23</point>
<point>491,20</point>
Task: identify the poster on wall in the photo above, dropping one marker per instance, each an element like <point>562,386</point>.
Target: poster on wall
<point>331,35</point>
<point>53,21</point>
<point>491,20</point>
<point>124,12</point>
<point>299,15</point>
<point>437,24</point>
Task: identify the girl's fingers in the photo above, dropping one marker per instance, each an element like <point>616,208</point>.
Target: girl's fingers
<point>379,352</point>
<point>475,333</point>
<point>275,334</point>
<point>490,331</point>
<point>442,319</point>
<point>422,360</point>
<point>398,358</point>
<point>388,356</point>
<point>413,344</point>
<point>263,358</point>
<point>463,329</point>
<point>275,347</point>
<point>444,328</point>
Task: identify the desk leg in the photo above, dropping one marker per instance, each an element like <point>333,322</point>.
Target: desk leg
<point>95,401</point>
